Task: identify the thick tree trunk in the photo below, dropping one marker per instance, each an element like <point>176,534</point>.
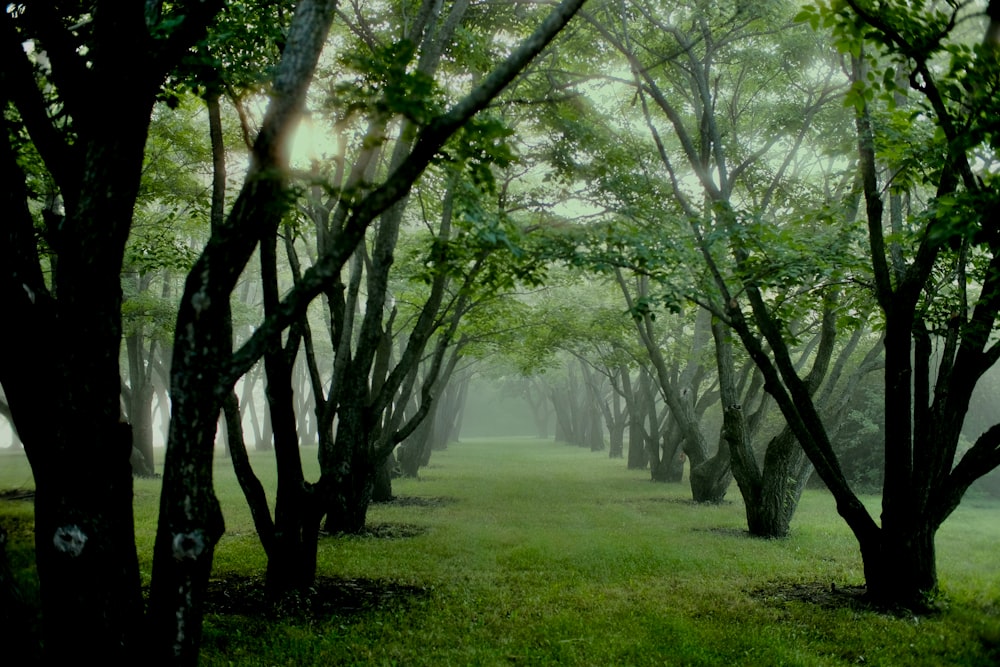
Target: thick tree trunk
<point>666,447</point>
<point>290,542</point>
<point>771,500</point>
<point>638,457</point>
<point>710,480</point>
<point>595,430</point>
<point>141,416</point>
<point>414,448</point>
<point>350,494</point>
<point>670,466</point>
<point>291,564</point>
<point>616,441</point>
<point>347,479</point>
<point>190,522</point>
<point>903,571</point>
<point>63,385</point>
<point>85,548</point>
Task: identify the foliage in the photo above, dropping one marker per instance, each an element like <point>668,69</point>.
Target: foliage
<point>239,54</point>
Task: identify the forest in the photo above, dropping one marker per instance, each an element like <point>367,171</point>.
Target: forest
<point>739,250</point>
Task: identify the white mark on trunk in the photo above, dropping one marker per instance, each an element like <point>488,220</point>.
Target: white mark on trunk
<point>200,301</point>
<point>69,540</point>
<point>188,546</point>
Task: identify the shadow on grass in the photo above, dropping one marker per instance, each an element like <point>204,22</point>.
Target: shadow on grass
<point>417,501</point>
<point>327,597</point>
<point>388,531</point>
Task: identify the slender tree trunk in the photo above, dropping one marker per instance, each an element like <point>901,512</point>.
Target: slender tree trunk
<point>635,403</point>
<point>140,405</point>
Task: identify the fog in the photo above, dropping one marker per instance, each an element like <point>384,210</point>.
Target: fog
<point>490,413</point>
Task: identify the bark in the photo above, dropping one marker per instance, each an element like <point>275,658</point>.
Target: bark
<point>771,490</point>
<point>382,491</point>
<point>291,563</point>
<point>140,403</point>
<point>665,445</point>
<point>411,452</point>
<point>347,467</point>
<point>593,410</point>
<point>616,414</point>
<point>253,490</point>
<point>635,402</point>
<point>710,480</point>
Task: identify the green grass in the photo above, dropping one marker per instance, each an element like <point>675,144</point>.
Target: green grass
<point>549,554</point>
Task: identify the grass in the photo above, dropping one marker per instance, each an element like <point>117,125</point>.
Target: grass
<point>531,552</point>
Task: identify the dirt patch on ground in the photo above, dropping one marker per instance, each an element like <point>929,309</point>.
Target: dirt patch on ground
<point>728,532</point>
<point>328,596</point>
<point>17,494</point>
<point>419,501</point>
<point>392,531</point>
<point>825,595</point>
<point>681,501</point>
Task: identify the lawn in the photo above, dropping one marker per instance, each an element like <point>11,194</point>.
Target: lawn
<point>531,552</point>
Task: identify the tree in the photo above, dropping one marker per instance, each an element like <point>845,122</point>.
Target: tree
<point>685,393</point>
<point>936,282</point>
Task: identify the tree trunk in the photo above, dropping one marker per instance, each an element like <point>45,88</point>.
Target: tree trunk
<point>85,548</point>
<point>904,573</point>
<point>382,491</point>
<point>636,402</point>
<point>616,441</point>
<point>350,494</point>
<point>565,426</point>
<point>411,452</point>
<point>347,477</point>
<point>666,446</point>
<point>63,385</point>
<point>710,480</point>
<point>140,405</point>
